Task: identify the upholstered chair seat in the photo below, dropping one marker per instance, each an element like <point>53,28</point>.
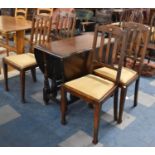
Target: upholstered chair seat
<point>127,74</point>
<point>26,61</point>
<point>22,61</point>
<point>93,89</point>
<point>91,85</point>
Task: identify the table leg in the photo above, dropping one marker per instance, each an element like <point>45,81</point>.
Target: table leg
<point>46,89</point>
<point>54,81</point>
<point>54,87</point>
<point>20,41</point>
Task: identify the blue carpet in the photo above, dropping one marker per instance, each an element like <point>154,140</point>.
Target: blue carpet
<point>39,125</point>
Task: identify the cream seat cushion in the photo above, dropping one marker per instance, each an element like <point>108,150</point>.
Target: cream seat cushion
<point>126,74</point>
<point>91,85</point>
<point>22,60</point>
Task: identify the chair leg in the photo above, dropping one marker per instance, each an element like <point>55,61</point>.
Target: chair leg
<point>63,106</point>
<point>22,82</point>
<point>122,102</point>
<point>33,72</point>
<point>97,109</point>
<point>136,92</point>
<point>7,43</point>
<point>5,70</point>
<point>115,104</point>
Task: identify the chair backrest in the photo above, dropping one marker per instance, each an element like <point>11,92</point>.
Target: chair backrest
<point>64,26</point>
<point>134,15</point>
<point>137,16</point>
<point>21,13</point>
<point>40,32</point>
<point>152,30</point>
<point>146,14</point>
<point>126,15</point>
<point>111,40</point>
<point>136,44</point>
<point>45,11</point>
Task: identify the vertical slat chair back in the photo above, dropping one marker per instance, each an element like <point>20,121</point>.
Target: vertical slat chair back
<point>146,15</point>
<point>136,43</point>
<point>45,11</point>
<point>126,15</point>
<point>112,40</point>
<point>132,15</point>
<point>65,25</point>
<point>137,16</point>
<point>41,28</point>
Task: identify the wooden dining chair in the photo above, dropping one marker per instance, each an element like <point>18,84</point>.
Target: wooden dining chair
<point>45,11</point>
<point>151,43</point>
<point>146,15</point>
<point>64,26</point>
<point>132,15</point>
<point>21,13</point>
<point>135,53</point>
<point>4,42</point>
<point>92,88</point>
<point>41,26</point>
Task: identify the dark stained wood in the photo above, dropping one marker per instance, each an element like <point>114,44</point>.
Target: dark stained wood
<point>102,33</point>
<point>67,47</point>
<point>136,48</point>
<point>64,26</point>
<point>65,60</point>
<point>132,15</point>
<point>137,43</point>
<point>41,26</point>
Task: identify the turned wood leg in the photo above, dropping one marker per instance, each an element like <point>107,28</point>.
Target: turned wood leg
<point>136,92</point>
<point>46,91</point>
<point>115,104</point>
<point>5,70</point>
<point>96,122</point>
<point>54,87</point>
<point>63,106</point>
<point>33,72</point>
<point>122,102</point>
<point>22,82</point>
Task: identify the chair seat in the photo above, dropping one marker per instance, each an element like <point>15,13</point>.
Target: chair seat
<point>92,86</point>
<point>126,74</point>
<point>22,60</point>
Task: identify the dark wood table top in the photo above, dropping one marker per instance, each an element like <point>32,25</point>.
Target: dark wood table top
<point>9,24</point>
<point>67,47</point>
